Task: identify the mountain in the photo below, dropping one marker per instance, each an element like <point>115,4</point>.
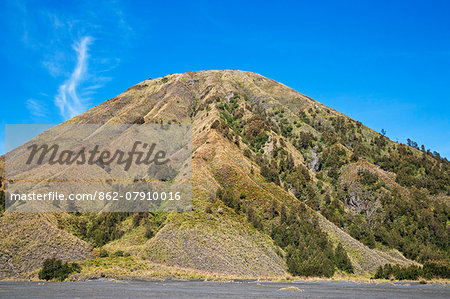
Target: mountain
<point>281,185</point>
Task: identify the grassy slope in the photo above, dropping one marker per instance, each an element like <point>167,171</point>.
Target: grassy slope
<point>27,239</point>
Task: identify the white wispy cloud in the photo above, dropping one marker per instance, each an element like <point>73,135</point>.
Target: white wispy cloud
<point>56,36</point>
<point>68,99</point>
<point>36,108</point>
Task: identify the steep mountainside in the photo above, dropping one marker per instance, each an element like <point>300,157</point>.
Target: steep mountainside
<point>281,184</point>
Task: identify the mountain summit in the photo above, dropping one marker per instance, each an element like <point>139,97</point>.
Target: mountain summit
<point>281,184</point>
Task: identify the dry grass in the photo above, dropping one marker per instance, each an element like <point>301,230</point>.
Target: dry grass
<point>27,239</point>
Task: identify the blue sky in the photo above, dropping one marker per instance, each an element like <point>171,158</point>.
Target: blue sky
<point>384,63</point>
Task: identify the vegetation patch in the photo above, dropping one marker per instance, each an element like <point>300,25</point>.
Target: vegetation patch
<point>430,270</point>
<point>54,269</point>
<point>291,289</point>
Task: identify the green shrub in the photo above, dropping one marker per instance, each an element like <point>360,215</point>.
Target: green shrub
<point>439,269</point>
<point>229,199</point>
<point>137,219</point>
<point>103,253</point>
<point>341,259</point>
<point>429,270</point>
<point>118,253</point>
<point>2,201</point>
<point>305,140</point>
<point>208,209</point>
<point>367,178</point>
<point>253,218</point>
<point>270,174</point>
<point>308,250</point>
<point>105,228</point>
<point>361,231</point>
<point>56,269</point>
<point>149,233</point>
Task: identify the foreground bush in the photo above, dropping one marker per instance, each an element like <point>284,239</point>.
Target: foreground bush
<point>56,269</point>
<point>430,270</point>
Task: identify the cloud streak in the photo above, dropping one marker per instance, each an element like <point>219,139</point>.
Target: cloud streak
<point>68,99</point>
<point>36,108</point>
